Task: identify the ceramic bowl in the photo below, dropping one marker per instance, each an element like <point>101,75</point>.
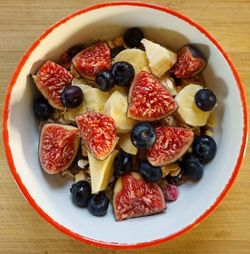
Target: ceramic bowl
<point>50,196</point>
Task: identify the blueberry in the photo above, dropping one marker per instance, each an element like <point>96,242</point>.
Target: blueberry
<point>116,51</point>
<point>149,173</point>
<point>98,204</point>
<point>72,96</point>
<point>123,73</point>
<point>133,37</point>
<point>81,192</point>
<point>143,135</point>
<point>42,109</point>
<point>104,80</point>
<point>123,163</point>
<point>192,167</point>
<point>204,147</point>
<point>205,99</point>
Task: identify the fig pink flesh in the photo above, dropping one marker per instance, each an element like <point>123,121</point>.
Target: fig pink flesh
<point>148,99</point>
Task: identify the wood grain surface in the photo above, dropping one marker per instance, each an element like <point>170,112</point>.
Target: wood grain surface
<point>22,230</point>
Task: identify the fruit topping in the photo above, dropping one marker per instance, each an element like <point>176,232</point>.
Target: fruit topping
<point>190,62</point>
<point>143,135</point>
<point>104,80</point>
<point>58,146</point>
<point>205,99</point>
<point>51,79</point>
<point>126,145</point>
<point>170,191</point>
<point>123,163</point>
<point>160,59</point>
<point>133,37</point>
<point>204,147</point>
<point>42,109</point>
<point>148,99</point>
<point>170,144</point>
<point>98,132</point>
<point>101,171</point>
<point>94,98</point>
<point>72,96</point>
<point>150,173</point>
<point>98,204</point>
<point>116,107</point>
<point>80,193</point>
<point>188,111</point>
<point>192,167</point>
<point>92,60</point>
<point>136,57</point>
<point>134,197</point>
<point>123,73</point>
<point>115,51</point>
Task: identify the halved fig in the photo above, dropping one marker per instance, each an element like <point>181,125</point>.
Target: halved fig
<point>98,132</point>
<point>134,197</point>
<point>148,99</point>
<point>58,147</point>
<point>51,79</point>
<point>190,62</point>
<point>92,60</point>
<point>170,144</point>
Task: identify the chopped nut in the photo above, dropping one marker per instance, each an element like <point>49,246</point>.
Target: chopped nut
<point>170,169</point>
<point>82,163</point>
<point>169,84</point>
<point>169,121</point>
<point>165,171</point>
<point>190,149</point>
<point>111,44</point>
<point>175,173</point>
<point>67,173</point>
<point>118,41</point>
<point>209,133</point>
<point>80,176</point>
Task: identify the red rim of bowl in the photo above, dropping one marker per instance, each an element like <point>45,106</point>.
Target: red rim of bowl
<point>22,186</point>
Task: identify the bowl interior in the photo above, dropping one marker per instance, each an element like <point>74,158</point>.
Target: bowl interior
<point>51,193</point>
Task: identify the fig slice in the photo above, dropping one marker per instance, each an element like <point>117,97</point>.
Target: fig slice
<point>190,62</point>
<point>148,99</point>
<point>170,144</point>
<point>51,79</point>
<point>98,132</point>
<point>134,197</point>
<point>58,146</point>
<point>92,60</point>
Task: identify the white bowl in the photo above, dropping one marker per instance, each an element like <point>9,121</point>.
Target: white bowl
<point>50,196</point>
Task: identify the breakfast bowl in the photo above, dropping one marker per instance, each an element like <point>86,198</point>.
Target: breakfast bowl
<point>50,196</point>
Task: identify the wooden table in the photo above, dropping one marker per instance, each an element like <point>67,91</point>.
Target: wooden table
<point>22,230</point>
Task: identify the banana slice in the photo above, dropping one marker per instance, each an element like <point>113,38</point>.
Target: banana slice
<point>101,171</point>
<point>160,59</point>
<point>126,145</point>
<point>94,100</point>
<point>116,107</point>
<point>135,57</point>
<point>188,111</point>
